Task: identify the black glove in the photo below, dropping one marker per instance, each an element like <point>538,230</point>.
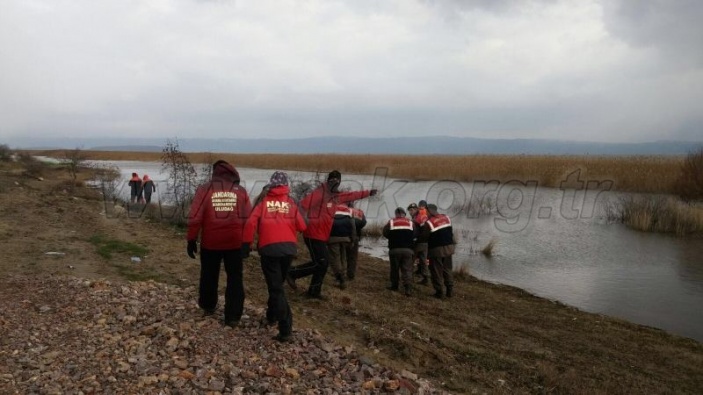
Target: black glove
<point>245,250</point>
<point>192,248</point>
<point>373,192</point>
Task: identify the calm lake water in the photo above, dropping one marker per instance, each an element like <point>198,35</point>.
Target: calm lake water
<point>553,243</point>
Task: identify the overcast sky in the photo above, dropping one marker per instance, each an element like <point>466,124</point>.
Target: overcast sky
<point>609,70</point>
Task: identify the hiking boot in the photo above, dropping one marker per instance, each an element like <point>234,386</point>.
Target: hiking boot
<point>208,312</point>
<point>315,296</point>
<point>438,295</point>
<point>291,282</point>
<point>340,282</point>
<point>265,322</point>
<point>283,338</point>
<point>449,292</point>
<point>232,323</point>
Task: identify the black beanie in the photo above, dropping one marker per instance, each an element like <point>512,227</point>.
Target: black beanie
<point>334,174</point>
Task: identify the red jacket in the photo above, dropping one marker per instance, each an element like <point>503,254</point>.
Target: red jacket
<point>277,218</point>
<point>319,207</point>
<point>219,211</point>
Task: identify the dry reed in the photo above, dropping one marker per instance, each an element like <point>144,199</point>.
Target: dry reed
<point>657,214</point>
<point>653,174</point>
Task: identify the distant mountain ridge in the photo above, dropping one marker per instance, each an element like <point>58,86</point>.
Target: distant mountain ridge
<point>430,145</point>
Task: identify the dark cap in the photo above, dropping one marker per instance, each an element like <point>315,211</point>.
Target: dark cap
<point>432,208</point>
<point>423,203</point>
<point>400,211</point>
<point>412,205</point>
<point>334,174</point>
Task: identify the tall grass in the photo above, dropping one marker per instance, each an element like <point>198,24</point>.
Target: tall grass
<point>652,174</point>
<point>656,214</point>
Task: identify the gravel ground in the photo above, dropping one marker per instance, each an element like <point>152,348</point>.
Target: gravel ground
<point>75,336</point>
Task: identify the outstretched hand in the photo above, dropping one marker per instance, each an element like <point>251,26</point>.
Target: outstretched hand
<point>192,248</point>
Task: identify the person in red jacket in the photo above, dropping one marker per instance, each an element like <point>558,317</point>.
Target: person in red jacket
<point>319,207</point>
<point>218,213</point>
<point>277,219</point>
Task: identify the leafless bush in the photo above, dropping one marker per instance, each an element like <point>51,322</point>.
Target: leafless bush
<point>182,177</point>
<point>108,179</point>
<point>299,188</point>
<point>5,153</point>
<point>33,167</point>
<point>74,160</point>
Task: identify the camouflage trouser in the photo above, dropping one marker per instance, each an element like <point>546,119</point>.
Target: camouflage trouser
<point>441,269</point>
<point>421,258</point>
<point>338,258</point>
<point>401,267</point>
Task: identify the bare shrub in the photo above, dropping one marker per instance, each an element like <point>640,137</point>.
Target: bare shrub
<point>5,153</point>
<point>461,273</point>
<point>108,179</point>
<point>74,160</point>
<point>299,188</point>
<point>32,167</point>
<point>205,173</point>
<point>689,185</point>
<point>182,177</point>
<point>374,230</point>
<point>487,250</point>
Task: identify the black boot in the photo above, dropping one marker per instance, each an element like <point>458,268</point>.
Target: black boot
<point>340,281</point>
<point>449,292</point>
<point>408,291</point>
<point>438,294</point>
<point>392,287</point>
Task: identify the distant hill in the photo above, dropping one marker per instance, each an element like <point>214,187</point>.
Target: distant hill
<point>349,145</point>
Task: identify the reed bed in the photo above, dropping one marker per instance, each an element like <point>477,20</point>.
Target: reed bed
<point>661,214</point>
<point>650,174</point>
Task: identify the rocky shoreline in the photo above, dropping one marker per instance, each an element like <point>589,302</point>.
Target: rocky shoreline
<point>75,336</point>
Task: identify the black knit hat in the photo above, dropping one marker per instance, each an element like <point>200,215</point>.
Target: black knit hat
<point>334,174</point>
<point>400,210</point>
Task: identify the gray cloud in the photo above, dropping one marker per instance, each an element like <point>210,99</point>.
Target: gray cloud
<point>671,27</point>
<point>586,70</point>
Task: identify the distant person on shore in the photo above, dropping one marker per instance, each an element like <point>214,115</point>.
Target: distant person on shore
<point>440,240</point>
<point>277,220</point>
<point>148,187</point>
<point>418,213</point>
<point>218,213</point>
<point>341,236</point>
<point>400,232</point>
<point>135,187</point>
<point>319,207</point>
<point>353,250</point>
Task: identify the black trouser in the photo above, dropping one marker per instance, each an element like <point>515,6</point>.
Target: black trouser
<point>352,256</point>
<point>275,270</point>
<point>210,278</point>
<point>317,267</point>
<point>147,197</point>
